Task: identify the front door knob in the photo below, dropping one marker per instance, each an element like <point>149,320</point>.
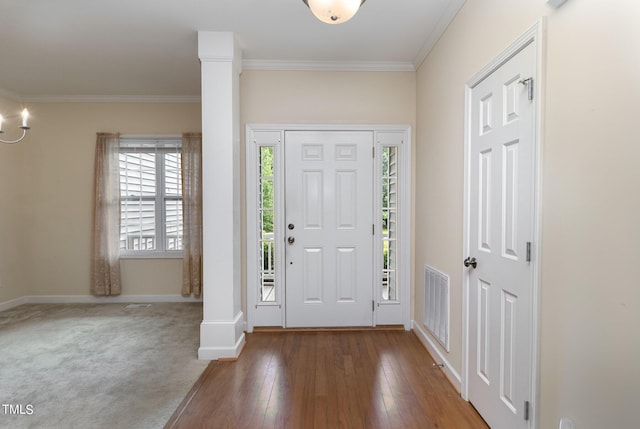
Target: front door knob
<point>290,240</point>
<point>470,262</point>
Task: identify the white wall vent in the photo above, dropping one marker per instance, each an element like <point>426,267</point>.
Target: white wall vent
<point>436,304</point>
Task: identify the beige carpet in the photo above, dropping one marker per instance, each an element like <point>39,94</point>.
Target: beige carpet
<point>96,366</point>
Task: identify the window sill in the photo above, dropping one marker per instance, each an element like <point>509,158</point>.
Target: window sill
<point>151,255</point>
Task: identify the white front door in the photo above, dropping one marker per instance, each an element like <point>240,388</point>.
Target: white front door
<point>328,235</point>
<point>501,195</point>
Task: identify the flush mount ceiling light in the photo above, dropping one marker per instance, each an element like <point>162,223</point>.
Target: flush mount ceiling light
<point>334,11</point>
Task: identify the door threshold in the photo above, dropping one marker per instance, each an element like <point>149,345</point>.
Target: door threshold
<point>272,329</point>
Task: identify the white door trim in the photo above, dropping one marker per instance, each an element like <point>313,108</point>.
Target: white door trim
<point>273,135</point>
<point>536,35</point>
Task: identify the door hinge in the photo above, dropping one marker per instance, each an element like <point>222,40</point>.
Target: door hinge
<point>529,84</point>
<point>373,152</point>
<point>373,229</point>
<point>527,407</point>
<point>373,305</point>
<point>528,251</point>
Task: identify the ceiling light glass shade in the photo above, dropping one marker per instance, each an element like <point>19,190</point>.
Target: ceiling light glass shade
<point>334,11</point>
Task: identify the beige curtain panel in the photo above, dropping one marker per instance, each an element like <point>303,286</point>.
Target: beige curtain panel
<point>105,261</point>
<point>192,213</point>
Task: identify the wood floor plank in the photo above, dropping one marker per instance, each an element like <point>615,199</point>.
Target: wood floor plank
<point>335,379</point>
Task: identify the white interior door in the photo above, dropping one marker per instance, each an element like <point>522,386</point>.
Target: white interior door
<point>501,177</point>
<point>329,218</point>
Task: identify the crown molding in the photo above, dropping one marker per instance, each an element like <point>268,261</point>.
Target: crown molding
<point>10,95</point>
<point>111,98</point>
<point>438,30</point>
<point>283,65</point>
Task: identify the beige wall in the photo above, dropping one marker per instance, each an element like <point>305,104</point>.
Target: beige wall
<point>58,188</point>
<point>590,309</point>
<point>327,97</point>
<point>13,205</point>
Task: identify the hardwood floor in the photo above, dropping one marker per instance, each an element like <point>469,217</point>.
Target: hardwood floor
<point>302,380</point>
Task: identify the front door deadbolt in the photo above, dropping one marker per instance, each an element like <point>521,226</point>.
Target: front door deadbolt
<point>470,262</point>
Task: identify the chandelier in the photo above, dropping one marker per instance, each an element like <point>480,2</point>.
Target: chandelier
<point>334,11</point>
<point>24,127</point>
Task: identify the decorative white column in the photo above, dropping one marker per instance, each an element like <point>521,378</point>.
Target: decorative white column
<point>221,331</point>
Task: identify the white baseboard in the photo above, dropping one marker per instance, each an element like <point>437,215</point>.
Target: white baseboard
<point>435,353</point>
<point>90,299</point>
<point>222,353</point>
<point>13,303</point>
<point>221,339</point>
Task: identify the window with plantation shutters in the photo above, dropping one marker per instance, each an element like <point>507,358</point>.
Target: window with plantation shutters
<point>150,196</point>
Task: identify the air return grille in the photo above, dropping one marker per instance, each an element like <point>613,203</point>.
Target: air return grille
<point>436,304</point>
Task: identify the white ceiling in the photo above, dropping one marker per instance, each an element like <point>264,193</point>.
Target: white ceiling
<point>148,48</point>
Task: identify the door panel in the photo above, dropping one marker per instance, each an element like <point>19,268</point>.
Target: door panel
<point>346,260</point>
<point>313,270</point>
<point>329,203</point>
<point>500,226</point>
<point>312,192</point>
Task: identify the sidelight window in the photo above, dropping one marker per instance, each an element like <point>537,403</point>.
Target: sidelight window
<point>389,290</point>
<point>266,224</point>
